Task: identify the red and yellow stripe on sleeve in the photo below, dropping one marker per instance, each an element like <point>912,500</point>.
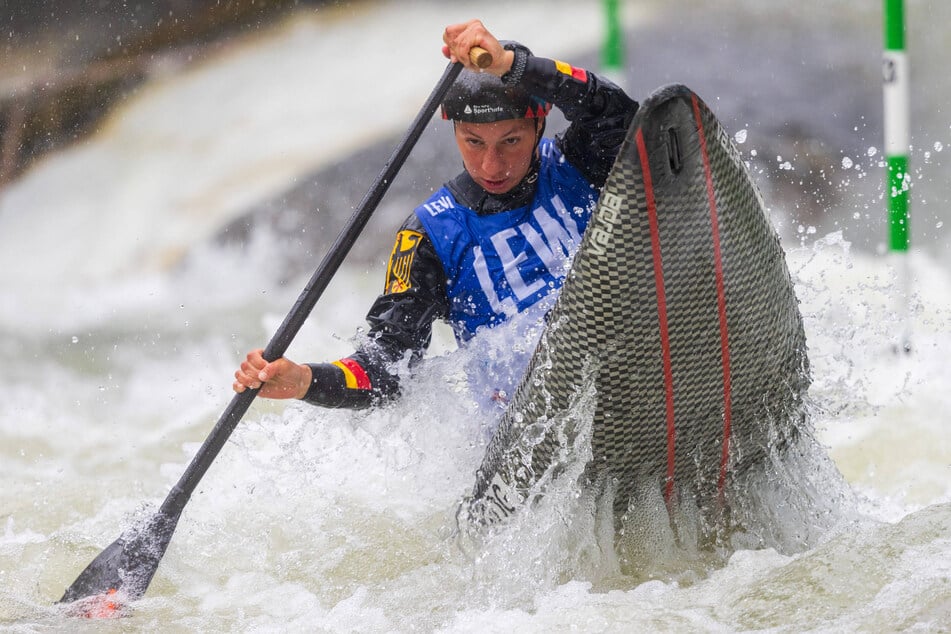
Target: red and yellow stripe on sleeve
<point>354,374</point>
<point>578,73</point>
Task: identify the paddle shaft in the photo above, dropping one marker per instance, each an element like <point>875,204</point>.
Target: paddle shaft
<point>129,563</point>
<point>181,492</point>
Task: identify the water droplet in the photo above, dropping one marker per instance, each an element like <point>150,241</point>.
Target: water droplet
<point>75,339</point>
<point>872,151</point>
<point>740,136</point>
<point>938,146</point>
<point>846,162</point>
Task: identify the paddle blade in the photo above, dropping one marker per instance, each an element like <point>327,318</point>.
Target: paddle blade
<point>123,571</point>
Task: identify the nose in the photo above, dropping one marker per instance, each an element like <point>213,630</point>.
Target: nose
<point>493,163</point>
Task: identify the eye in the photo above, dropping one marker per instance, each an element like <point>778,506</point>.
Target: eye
<point>474,142</point>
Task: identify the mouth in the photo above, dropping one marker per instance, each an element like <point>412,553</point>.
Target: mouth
<point>495,186</point>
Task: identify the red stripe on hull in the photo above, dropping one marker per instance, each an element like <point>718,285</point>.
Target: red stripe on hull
<point>721,299</point>
<point>661,314</point>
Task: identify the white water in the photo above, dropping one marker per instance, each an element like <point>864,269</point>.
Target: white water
<point>117,365</point>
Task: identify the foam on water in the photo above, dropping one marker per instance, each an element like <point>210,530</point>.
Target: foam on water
<point>344,519</point>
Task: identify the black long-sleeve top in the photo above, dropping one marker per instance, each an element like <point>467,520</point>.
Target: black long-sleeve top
<point>401,319</point>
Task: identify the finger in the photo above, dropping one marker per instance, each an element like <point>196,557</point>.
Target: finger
<point>273,370</point>
<point>247,374</point>
<point>450,53</point>
<point>459,40</point>
<point>474,34</point>
<point>452,32</point>
<point>247,379</point>
<point>256,359</point>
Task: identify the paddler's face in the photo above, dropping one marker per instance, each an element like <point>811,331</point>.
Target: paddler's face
<point>499,154</point>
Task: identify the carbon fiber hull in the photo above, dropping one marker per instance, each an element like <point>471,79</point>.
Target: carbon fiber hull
<point>680,309</point>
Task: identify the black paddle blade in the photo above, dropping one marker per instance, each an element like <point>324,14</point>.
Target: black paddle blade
<point>126,567</point>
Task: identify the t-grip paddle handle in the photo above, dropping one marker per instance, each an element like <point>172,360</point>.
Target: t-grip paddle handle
<point>480,57</point>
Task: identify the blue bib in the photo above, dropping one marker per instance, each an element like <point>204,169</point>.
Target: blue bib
<point>499,264</point>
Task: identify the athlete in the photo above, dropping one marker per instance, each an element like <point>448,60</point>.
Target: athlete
<point>492,242</point>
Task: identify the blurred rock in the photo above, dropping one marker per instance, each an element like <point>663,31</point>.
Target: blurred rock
<point>65,63</point>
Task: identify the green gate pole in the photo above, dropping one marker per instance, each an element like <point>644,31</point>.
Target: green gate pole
<point>612,50</point>
<point>898,180</point>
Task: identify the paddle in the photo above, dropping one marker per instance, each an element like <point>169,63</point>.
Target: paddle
<point>123,571</point>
